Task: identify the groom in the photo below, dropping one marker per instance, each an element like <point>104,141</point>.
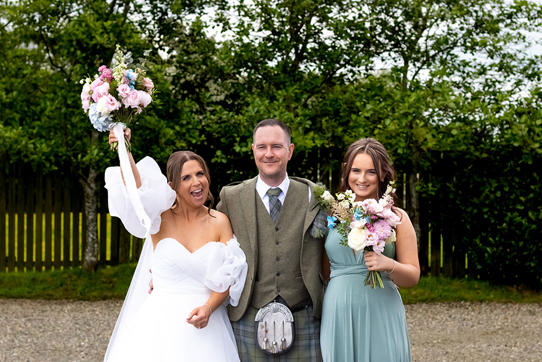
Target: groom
<point>272,216</point>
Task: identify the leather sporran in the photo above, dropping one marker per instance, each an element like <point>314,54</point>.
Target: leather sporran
<point>274,328</point>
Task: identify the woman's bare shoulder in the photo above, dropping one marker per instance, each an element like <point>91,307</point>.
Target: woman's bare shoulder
<point>221,225</point>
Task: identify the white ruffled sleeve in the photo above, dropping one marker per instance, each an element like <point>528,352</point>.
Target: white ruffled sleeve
<point>227,268</point>
<point>155,194</point>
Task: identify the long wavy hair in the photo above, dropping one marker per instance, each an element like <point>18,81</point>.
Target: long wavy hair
<point>175,165</point>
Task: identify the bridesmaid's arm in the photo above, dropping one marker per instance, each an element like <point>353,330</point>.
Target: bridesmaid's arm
<point>407,268</point>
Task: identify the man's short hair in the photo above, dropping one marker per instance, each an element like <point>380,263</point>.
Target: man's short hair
<point>274,122</point>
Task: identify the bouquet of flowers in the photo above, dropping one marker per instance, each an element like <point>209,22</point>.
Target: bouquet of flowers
<point>116,95</point>
<point>364,225</point>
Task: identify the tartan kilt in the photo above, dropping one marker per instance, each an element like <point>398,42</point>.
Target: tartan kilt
<point>306,345</point>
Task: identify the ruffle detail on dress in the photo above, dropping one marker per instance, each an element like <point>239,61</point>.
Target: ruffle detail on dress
<point>155,194</point>
<point>227,268</point>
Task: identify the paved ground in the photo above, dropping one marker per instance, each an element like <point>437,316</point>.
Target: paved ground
<point>57,331</point>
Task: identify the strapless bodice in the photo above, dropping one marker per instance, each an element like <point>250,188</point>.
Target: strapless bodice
<point>169,262</point>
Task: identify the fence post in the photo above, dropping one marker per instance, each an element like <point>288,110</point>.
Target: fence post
<point>48,223</point>
<point>58,223</point>
<point>39,224</point>
<point>124,245</point>
<point>66,262</point>
<point>76,206</point>
<point>30,187</point>
<point>103,227</point>
<point>115,225</point>
<point>423,253</point>
<point>20,220</point>
<point>3,215</point>
<point>11,224</point>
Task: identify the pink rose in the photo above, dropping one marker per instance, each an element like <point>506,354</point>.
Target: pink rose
<point>100,91</point>
<point>144,99</point>
<point>102,68</point>
<point>106,75</point>
<point>148,84</point>
<point>86,104</point>
<point>132,100</point>
<point>98,82</point>
<point>123,90</point>
<point>111,103</point>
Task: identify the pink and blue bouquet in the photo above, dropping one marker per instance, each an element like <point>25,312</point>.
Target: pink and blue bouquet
<point>116,95</point>
<point>367,225</point>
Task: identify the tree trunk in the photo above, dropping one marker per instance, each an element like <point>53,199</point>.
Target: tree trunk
<point>91,213</point>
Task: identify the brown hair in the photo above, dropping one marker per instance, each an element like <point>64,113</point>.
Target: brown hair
<point>175,165</point>
<point>274,122</point>
<point>381,161</point>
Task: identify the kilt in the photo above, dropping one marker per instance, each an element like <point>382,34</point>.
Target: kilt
<point>306,345</point>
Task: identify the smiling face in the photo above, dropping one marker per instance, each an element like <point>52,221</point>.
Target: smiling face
<point>363,179</point>
<point>193,185</point>
<point>272,151</point>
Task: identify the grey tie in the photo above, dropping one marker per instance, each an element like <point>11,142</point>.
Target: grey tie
<point>274,203</point>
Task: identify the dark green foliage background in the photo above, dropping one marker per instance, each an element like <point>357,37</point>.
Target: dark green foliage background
<point>456,106</point>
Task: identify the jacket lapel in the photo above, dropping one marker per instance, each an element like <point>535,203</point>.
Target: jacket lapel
<point>247,199</point>
<point>312,210</point>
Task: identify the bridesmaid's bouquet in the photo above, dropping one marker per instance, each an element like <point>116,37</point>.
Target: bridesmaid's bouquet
<point>367,225</point>
<point>117,95</point>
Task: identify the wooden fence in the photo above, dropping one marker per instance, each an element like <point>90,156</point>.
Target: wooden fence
<point>44,224</point>
<point>44,228</point>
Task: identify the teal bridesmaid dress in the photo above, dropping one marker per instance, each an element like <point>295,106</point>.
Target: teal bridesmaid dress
<point>360,324</point>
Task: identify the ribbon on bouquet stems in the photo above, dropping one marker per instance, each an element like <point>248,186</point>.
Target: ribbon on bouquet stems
<point>129,178</point>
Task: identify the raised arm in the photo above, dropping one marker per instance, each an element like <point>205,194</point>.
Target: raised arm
<point>127,135</point>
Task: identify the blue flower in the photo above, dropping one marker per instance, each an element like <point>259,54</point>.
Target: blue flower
<point>102,122</point>
<point>331,221</point>
<point>357,214</point>
<point>367,220</point>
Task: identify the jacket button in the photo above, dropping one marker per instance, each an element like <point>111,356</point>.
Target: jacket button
<point>278,290</point>
<point>278,259</point>
<point>276,229</point>
<point>277,242</point>
<point>278,274</point>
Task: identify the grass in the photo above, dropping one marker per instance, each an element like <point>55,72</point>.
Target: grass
<point>113,283</point>
<point>75,284</point>
<point>440,289</point>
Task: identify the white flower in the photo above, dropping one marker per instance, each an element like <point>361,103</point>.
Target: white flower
<point>102,106</point>
<point>391,238</point>
<point>328,196</point>
<point>350,195</point>
<point>356,238</point>
<point>340,196</point>
<point>345,204</point>
<point>357,224</point>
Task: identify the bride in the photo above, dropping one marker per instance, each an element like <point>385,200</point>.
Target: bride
<point>197,265</point>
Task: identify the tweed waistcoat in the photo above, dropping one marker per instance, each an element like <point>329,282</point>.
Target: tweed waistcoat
<point>279,250</point>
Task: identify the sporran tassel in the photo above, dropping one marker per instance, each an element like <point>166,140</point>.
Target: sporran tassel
<point>282,340</point>
<point>265,346</point>
<point>274,348</point>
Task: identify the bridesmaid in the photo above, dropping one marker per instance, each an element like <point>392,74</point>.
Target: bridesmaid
<point>359,323</point>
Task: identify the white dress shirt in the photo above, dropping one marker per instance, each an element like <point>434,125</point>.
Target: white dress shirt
<point>262,188</point>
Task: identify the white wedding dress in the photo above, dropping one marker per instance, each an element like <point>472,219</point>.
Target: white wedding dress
<point>154,327</point>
